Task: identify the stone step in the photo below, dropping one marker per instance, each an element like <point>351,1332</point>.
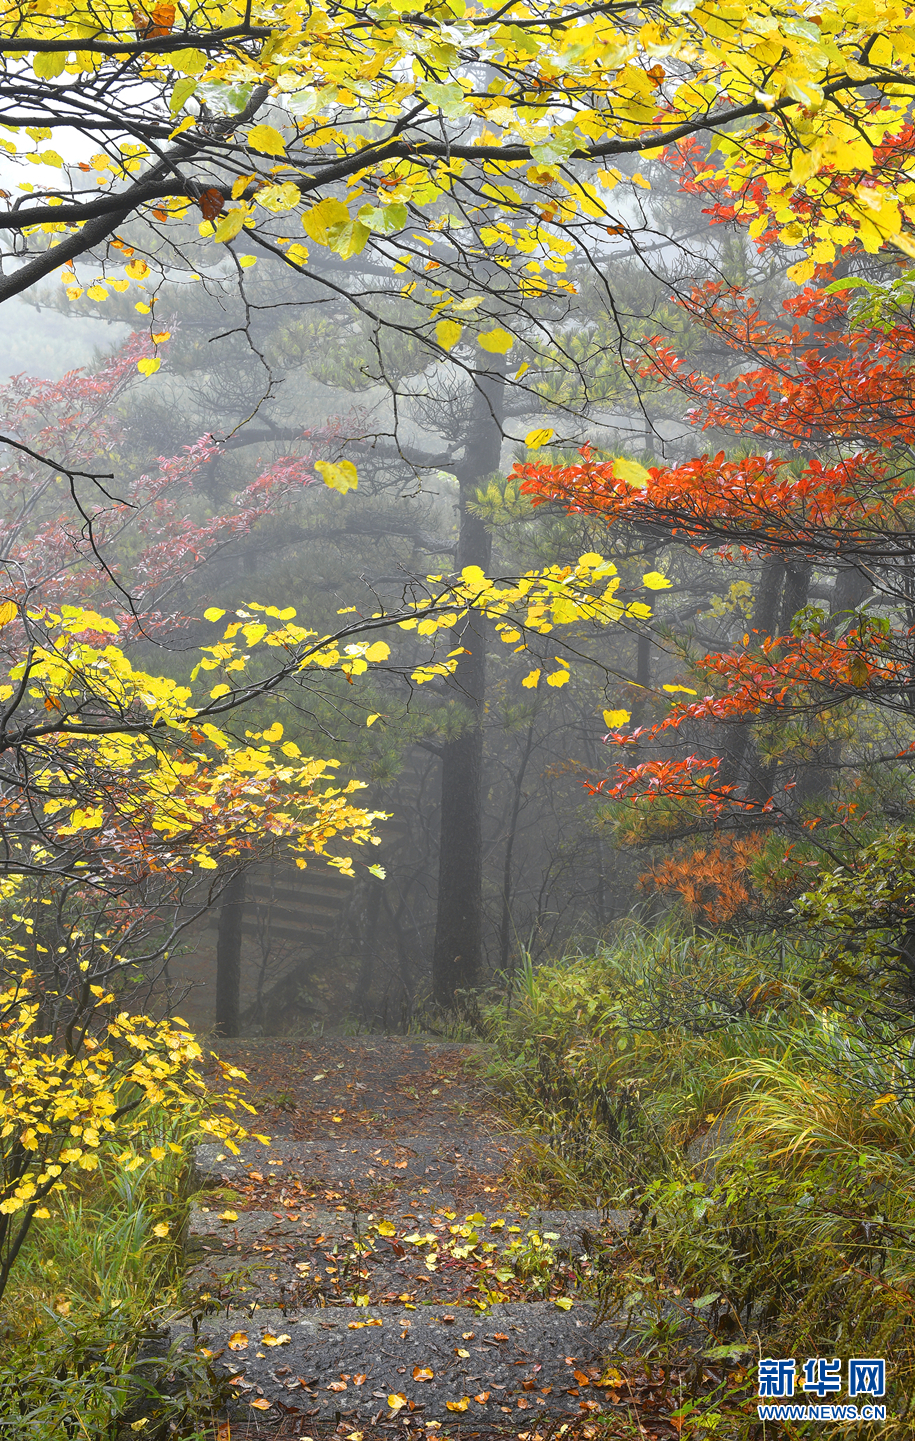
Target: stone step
<point>328,1257</point>
<point>453,1365</point>
<point>369,1164</point>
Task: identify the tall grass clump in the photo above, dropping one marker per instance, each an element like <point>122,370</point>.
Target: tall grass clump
<point>761,1136</point>
<point>85,1349</point>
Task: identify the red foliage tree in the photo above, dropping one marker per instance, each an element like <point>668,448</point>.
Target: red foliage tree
<point>822,397</point>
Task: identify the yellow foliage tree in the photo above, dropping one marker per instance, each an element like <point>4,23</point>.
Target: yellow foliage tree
<point>62,1104</point>
<point>444,137</point>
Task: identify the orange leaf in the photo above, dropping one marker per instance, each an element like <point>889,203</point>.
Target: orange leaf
<point>422,1373</point>
<point>151,24</point>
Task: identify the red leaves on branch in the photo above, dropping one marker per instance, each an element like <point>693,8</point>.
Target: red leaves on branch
<point>78,423</point>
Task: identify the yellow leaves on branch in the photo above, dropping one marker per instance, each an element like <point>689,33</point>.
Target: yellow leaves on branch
<point>537,601</point>
<point>810,99</point>
<point>161,769</point>
<point>58,1111</point>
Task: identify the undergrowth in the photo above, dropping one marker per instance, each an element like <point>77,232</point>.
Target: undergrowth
<point>84,1340</point>
<point>763,1141</point>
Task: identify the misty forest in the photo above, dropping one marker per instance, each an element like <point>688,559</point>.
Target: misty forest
<point>457,761</point>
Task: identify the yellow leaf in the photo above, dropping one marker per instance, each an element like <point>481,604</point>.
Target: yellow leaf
<point>230,224</point>
<point>268,1339</point>
<point>149,366</point>
<point>536,438</point>
<point>396,1400</point>
<point>161,1230</point>
<point>228,1216</point>
<point>563,1303</point>
<point>238,1341</point>
<point>137,269</point>
<point>370,720</point>
<point>458,1405</point>
<point>654,580</point>
<point>615,718</point>
<point>448,333</point>
<point>261,1404</point>
<point>558,677</point>
<point>386,1228</point>
<point>631,472</point>
<point>7,612</point>
<point>801,272</point>
<point>340,475</point>
<point>317,221</point>
<point>49,66</point>
<point>213,613</point>
<point>531,681</point>
<point>275,733</point>
<point>684,688</point>
<point>378,652</point>
<point>247,260</point>
<point>158,336</point>
<point>497,342</point>
<point>266,140</point>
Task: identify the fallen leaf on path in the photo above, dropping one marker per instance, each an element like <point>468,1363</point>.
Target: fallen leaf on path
<point>422,1373</point>
<point>482,1397</point>
<point>228,1216</point>
<point>270,1340</point>
<point>396,1400</point>
<point>360,1379</point>
<point>500,1336</point>
<point>261,1404</point>
<point>337,1386</point>
<point>563,1303</point>
<point>458,1405</point>
<point>238,1341</point>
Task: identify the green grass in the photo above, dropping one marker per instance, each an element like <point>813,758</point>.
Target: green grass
<point>84,1344</point>
<point>796,1235</point>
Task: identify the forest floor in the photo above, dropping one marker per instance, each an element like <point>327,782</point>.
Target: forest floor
<point>375,1271</point>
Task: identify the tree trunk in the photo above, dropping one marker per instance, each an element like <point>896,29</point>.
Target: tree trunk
<point>505,926</point>
<point>457,954</point>
<point>228,957</point>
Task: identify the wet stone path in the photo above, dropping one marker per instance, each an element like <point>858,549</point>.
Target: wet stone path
<point>372,1267</point>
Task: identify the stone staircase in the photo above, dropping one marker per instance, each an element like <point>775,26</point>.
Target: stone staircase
<point>370,1266</point>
